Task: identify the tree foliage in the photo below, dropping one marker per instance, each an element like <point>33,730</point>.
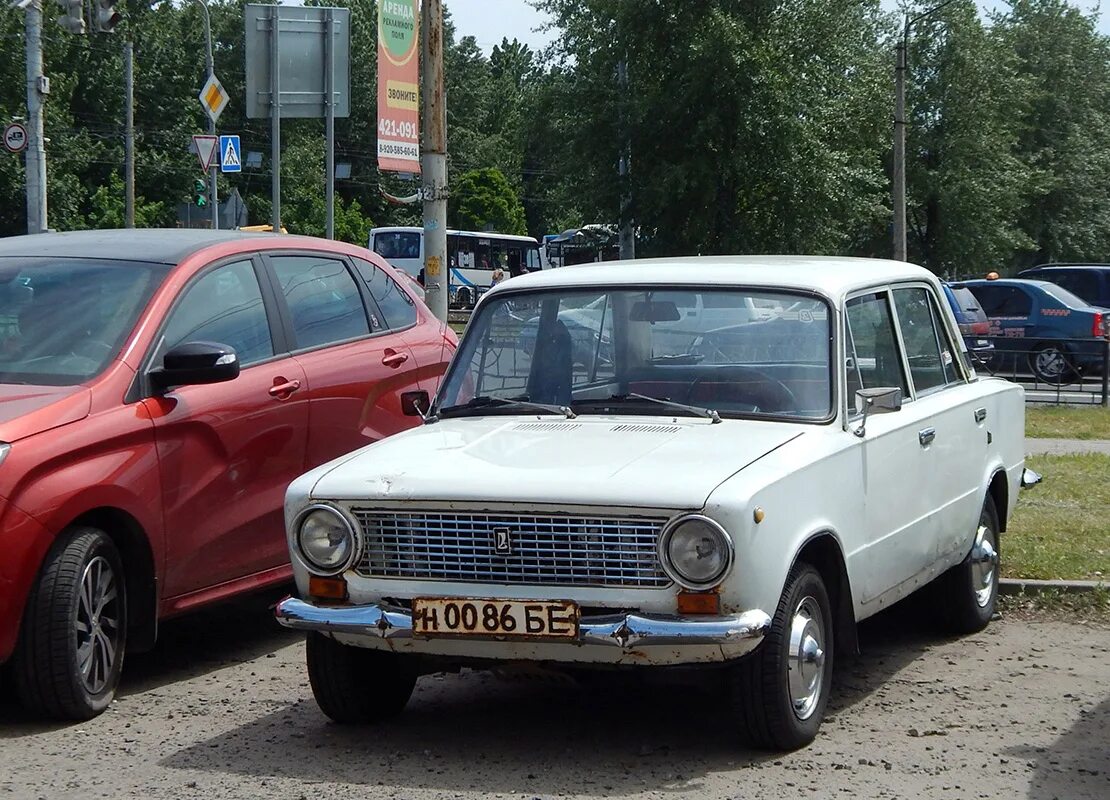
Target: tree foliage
<point>753,126</point>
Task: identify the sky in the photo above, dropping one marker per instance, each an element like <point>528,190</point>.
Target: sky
<point>490,20</point>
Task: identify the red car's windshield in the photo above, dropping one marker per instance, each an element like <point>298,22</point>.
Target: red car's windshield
<point>62,320</point>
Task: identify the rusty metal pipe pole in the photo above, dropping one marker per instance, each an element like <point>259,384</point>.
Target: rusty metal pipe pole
<point>899,187</point>
<point>434,162</point>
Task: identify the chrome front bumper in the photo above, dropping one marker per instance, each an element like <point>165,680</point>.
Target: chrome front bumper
<point>374,624</point>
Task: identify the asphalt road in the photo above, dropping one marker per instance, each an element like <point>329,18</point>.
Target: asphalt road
<point>222,709</point>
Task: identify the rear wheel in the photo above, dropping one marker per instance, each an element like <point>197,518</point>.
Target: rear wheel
<point>1051,364</point>
<point>69,657</point>
<point>353,684</point>
<point>779,692</point>
<point>969,591</point>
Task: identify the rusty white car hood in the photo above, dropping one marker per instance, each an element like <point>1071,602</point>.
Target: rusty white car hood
<point>632,461</point>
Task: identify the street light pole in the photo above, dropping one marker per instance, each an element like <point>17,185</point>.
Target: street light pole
<point>214,198</point>
<point>898,187</point>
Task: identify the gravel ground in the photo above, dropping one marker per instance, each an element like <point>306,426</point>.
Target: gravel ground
<point>223,709</point>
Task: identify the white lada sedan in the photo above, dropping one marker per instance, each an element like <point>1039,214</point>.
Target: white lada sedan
<point>636,465</point>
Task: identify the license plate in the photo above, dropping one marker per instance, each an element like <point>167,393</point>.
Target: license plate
<point>516,619</point>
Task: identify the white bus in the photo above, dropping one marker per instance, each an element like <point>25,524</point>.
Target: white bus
<point>471,257</point>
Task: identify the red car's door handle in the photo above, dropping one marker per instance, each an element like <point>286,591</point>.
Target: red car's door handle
<point>394,359</point>
<point>284,389</point>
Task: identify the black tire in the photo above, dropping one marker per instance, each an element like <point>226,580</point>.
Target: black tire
<point>761,691</point>
<point>1052,364</point>
<point>968,592</point>
<point>71,644</point>
<point>355,685</point>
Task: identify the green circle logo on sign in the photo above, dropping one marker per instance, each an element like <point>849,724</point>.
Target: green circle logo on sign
<point>397,24</point>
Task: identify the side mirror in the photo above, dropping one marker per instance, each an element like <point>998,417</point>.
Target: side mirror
<point>415,404</point>
<point>194,363</point>
<point>880,400</point>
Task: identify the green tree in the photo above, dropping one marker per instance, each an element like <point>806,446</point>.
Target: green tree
<point>483,199</point>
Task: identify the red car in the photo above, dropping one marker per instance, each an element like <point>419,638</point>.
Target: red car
<point>159,390</point>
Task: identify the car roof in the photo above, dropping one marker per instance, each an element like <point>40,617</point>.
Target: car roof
<point>1063,265</point>
<point>830,275</point>
<point>152,245</point>
<point>1032,282</point>
<point>454,232</point>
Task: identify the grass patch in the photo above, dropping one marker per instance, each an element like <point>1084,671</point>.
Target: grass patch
<point>1061,528</point>
<point>1062,422</point>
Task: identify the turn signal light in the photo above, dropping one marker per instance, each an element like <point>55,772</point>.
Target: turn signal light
<point>699,603</point>
<point>327,588</point>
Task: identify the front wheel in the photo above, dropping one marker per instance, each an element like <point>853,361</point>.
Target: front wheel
<point>779,692</point>
<point>356,685</point>
<point>969,591</point>
<point>69,657</point>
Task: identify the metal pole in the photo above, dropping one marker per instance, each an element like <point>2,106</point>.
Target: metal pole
<point>329,123</point>
<point>434,163</point>
<point>899,187</point>
<point>129,134</point>
<point>212,193</point>
<point>275,120</point>
<point>35,159</point>
<point>628,227</point>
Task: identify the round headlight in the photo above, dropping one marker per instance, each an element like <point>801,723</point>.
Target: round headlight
<point>696,552</point>
<point>326,539</point>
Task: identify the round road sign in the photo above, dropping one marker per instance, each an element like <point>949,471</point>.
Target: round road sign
<point>15,138</point>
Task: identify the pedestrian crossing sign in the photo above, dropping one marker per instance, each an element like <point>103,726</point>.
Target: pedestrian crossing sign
<point>230,159</point>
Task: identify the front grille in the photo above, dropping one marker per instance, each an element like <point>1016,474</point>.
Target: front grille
<point>544,550</point>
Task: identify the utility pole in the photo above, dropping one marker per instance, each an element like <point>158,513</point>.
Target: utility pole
<point>434,163</point>
<point>212,195</point>
<point>275,119</point>
<point>129,134</point>
<point>37,87</point>
<point>628,225</point>
<point>329,124</point>
<point>899,187</point>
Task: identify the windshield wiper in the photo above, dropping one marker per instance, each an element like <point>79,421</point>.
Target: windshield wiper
<point>708,413</point>
<point>486,401</point>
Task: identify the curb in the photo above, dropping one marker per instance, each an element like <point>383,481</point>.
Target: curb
<point>1013,586</point>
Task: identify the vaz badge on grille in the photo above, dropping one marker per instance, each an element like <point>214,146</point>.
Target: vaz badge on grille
<point>502,541</point>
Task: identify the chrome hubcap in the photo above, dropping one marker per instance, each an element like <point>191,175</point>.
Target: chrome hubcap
<point>806,658</point>
<point>97,624</point>
<point>984,563</point>
<point>1051,363</point>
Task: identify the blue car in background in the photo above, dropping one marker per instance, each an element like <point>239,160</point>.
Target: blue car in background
<point>973,323</point>
<point>1089,282</point>
<point>1058,335</point>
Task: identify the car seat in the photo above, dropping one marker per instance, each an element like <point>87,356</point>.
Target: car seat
<point>552,366</point>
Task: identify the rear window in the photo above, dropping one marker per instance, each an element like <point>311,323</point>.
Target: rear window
<point>397,244</point>
<point>1063,295</point>
<point>968,306</point>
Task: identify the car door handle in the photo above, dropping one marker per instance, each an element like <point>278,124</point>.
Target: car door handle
<point>284,389</point>
<point>980,414</point>
<point>394,359</point>
<point>926,436</point>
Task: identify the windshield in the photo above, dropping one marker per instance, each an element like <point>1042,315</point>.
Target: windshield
<point>63,320</point>
<point>733,351</point>
<point>968,306</point>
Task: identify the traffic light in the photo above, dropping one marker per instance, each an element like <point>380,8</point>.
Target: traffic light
<point>74,18</point>
<point>106,15</point>
<point>200,193</point>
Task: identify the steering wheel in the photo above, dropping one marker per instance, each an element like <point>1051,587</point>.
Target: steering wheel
<point>779,398</point>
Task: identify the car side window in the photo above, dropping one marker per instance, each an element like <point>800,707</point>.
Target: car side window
<point>395,305</point>
<point>873,356</point>
<point>1014,303</point>
<point>323,299</point>
<point>927,349</point>
<point>224,306</point>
